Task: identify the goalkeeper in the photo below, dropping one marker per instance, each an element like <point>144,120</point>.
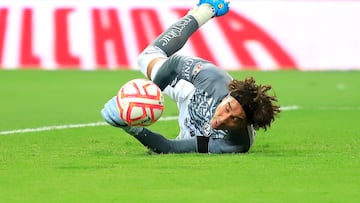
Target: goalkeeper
<point>217,114</point>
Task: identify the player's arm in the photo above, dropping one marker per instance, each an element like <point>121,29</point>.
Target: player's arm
<point>159,144</point>
<point>239,142</point>
<point>152,140</point>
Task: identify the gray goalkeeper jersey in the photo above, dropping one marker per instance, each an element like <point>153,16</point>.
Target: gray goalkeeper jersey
<point>197,86</point>
<point>201,86</point>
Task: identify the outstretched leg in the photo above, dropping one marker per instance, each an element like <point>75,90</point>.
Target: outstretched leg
<point>175,37</point>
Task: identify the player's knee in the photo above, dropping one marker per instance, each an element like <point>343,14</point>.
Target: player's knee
<point>147,56</point>
<point>143,62</point>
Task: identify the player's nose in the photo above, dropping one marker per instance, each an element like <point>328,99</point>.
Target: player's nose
<point>223,118</point>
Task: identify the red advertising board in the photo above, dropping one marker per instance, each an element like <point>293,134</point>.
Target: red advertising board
<point>103,34</point>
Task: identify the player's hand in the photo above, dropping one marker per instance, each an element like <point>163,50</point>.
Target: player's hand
<point>111,114</point>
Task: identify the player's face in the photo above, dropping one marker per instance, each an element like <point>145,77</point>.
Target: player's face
<point>229,115</point>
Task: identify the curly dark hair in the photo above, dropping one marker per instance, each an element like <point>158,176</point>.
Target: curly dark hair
<point>259,107</point>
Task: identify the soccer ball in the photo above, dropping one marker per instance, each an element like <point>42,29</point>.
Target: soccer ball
<point>140,102</point>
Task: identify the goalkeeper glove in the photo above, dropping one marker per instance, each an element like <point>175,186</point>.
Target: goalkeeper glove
<point>111,114</point>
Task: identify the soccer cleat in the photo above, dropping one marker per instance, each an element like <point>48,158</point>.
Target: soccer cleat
<point>220,7</point>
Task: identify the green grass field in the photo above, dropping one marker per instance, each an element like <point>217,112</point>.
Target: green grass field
<point>310,154</point>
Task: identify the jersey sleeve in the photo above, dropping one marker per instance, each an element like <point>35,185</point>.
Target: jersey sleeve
<point>160,144</point>
<point>218,145</point>
<point>235,142</point>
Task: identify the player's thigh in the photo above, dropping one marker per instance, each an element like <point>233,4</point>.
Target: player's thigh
<point>181,91</point>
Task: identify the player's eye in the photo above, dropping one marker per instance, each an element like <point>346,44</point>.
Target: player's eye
<point>227,108</point>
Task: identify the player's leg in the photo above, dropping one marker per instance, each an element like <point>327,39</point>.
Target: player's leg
<point>175,37</point>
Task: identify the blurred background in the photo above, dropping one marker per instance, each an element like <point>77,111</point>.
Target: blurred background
<point>109,34</point>
<point>61,60</point>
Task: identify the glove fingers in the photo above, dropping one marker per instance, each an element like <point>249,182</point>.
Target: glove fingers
<point>114,111</point>
<point>108,118</point>
<point>112,106</point>
<point>111,113</point>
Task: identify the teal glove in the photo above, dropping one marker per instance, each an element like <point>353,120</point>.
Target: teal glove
<point>111,114</point>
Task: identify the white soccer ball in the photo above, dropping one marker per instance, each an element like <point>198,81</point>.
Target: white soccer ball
<point>140,102</point>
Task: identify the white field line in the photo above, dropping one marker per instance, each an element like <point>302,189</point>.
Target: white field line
<point>68,126</point>
<point>85,125</point>
<point>289,108</point>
